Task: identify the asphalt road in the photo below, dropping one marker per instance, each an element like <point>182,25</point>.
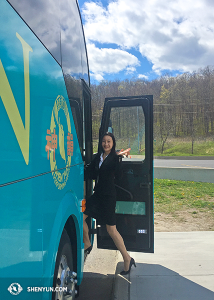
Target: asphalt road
<point>98,277</point>
<point>173,163</point>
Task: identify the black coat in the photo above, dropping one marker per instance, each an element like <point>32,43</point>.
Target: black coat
<point>101,205</point>
<point>105,176</point>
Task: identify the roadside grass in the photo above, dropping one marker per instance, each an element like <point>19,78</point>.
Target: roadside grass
<point>171,196</point>
<point>183,147</point>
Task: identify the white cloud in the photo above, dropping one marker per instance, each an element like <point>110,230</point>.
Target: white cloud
<point>97,76</point>
<point>174,35</point>
<point>141,76</point>
<point>130,70</point>
<point>108,60</point>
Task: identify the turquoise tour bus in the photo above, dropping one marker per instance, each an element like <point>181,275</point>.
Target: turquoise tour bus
<point>45,119</point>
<point>45,141</point>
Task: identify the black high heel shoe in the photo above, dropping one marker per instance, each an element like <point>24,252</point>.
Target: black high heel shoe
<point>88,250</point>
<point>132,262</point>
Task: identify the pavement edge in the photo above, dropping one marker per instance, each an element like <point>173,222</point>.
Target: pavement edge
<point>121,285</point>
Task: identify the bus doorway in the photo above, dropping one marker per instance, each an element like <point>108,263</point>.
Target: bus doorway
<point>131,121</point>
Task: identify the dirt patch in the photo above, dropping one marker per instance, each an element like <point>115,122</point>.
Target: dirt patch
<point>190,220</point>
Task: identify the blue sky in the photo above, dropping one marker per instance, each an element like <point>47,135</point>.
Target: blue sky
<point>147,38</point>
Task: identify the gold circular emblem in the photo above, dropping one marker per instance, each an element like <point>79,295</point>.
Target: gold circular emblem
<point>56,139</point>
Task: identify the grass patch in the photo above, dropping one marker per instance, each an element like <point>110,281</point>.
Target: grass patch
<point>183,147</point>
<point>171,196</point>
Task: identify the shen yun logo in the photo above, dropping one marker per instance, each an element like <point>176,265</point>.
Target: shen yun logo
<point>56,136</point>
<point>15,289</point>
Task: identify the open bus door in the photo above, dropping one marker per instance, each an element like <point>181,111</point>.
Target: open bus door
<point>130,119</point>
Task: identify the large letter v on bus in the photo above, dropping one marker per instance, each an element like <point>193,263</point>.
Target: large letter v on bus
<point>22,133</point>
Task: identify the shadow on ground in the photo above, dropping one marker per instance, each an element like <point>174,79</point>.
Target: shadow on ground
<point>96,286</point>
<point>155,282</point>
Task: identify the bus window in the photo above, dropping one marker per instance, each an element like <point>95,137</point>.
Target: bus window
<point>84,58</point>
<point>43,19</point>
<point>70,42</point>
<point>129,134</point>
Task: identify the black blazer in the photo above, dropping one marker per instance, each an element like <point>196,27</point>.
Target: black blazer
<point>105,176</point>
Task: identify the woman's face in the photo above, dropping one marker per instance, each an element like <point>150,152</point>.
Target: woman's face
<point>107,144</point>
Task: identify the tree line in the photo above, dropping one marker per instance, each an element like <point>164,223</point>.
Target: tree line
<point>183,105</point>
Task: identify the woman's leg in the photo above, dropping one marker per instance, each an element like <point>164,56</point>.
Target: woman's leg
<point>119,243</point>
<point>86,240</point>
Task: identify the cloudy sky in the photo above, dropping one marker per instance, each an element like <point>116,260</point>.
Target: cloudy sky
<point>147,38</point>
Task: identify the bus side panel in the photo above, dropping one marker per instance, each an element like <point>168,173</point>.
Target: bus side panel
<point>27,222</point>
<point>67,207</point>
<point>46,83</point>
<point>39,200</point>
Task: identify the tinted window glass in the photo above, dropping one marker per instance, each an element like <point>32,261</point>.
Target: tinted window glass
<point>42,17</point>
<point>128,127</point>
<point>85,75</point>
<point>85,71</point>
<point>70,39</point>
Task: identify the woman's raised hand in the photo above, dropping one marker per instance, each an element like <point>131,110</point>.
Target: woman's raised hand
<point>124,152</point>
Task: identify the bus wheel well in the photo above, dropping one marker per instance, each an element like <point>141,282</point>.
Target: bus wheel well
<point>71,231</point>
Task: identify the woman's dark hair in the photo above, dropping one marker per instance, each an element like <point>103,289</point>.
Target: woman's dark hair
<point>114,142</point>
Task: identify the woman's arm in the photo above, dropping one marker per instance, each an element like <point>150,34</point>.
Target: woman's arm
<point>124,152</point>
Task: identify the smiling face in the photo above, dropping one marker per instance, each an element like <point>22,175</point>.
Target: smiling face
<point>107,144</point>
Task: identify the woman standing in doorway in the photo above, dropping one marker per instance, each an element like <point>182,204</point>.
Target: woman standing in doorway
<point>105,167</point>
